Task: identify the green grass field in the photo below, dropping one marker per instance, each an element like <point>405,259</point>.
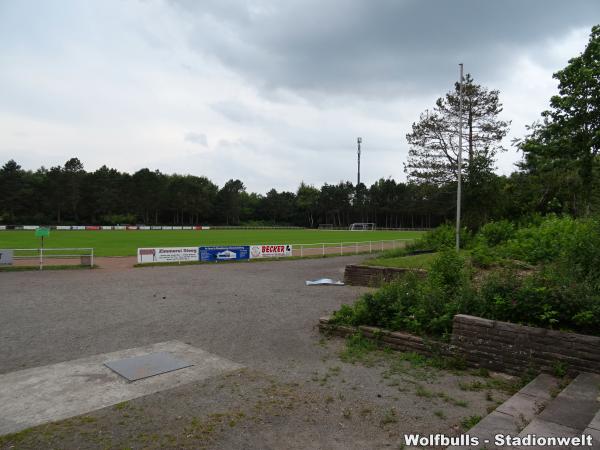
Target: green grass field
<point>126,243</point>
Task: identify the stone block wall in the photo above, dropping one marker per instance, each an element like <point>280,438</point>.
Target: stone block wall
<point>514,348</point>
<point>494,345</point>
<point>374,276</point>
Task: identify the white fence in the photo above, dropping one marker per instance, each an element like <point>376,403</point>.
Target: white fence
<point>53,256</point>
<point>347,248</point>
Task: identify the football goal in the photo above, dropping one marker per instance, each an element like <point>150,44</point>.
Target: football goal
<point>325,226</point>
<point>362,226</point>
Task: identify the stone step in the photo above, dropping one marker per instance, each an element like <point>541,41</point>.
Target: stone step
<point>571,413</point>
<point>515,413</point>
<point>593,429</point>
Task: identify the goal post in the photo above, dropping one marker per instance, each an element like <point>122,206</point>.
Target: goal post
<point>362,226</point>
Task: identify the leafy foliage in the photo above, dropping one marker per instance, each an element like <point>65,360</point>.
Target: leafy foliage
<point>562,290</point>
<point>563,148</point>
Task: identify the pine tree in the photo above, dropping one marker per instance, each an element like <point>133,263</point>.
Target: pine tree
<point>433,156</point>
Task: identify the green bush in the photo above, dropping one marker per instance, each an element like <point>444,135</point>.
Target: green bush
<point>495,233</point>
<point>581,257</point>
<point>484,256</point>
<point>444,237</point>
<point>562,291</point>
<point>413,304</point>
<point>549,298</point>
<point>544,242</point>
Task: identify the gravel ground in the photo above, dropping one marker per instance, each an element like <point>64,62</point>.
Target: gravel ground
<point>295,392</point>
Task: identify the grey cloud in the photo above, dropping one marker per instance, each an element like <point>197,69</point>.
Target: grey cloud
<point>197,138</point>
<point>236,112</point>
<point>374,48</point>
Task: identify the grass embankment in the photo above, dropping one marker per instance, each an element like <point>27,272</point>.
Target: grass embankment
<point>126,243</point>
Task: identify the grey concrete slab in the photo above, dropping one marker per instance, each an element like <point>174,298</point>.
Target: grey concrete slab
<point>595,422</point>
<point>38,395</point>
<point>514,414</point>
<point>540,427</point>
<point>523,408</point>
<point>541,386</point>
<point>595,434</point>
<point>577,404</point>
<point>494,423</point>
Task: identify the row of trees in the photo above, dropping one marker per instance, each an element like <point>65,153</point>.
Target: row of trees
<point>69,195</point>
<point>558,174</point>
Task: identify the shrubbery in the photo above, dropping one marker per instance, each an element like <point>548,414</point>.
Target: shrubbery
<point>497,281</point>
<point>443,237</point>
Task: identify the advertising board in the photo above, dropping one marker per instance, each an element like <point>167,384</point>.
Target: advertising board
<point>167,254</point>
<point>224,253</point>
<point>270,251</point>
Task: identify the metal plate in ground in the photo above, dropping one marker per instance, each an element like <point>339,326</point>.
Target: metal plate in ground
<point>146,366</point>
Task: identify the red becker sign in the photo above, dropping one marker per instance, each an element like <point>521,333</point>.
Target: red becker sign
<point>270,251</point>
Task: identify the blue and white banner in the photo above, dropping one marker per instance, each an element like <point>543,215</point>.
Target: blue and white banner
<point>224,253</point>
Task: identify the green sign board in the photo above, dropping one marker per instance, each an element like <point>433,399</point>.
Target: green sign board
<point>42,232</point>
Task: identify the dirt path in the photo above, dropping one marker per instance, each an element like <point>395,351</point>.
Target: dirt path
<point>298,389</point>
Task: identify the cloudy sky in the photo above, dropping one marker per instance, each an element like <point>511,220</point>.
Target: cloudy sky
<point>271,92</point>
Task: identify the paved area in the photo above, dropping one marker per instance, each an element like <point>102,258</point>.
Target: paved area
<point>296,390</point>
<point>259,313</point>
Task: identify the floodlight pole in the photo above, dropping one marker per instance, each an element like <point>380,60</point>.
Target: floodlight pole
<point>459,172</point>
<point>358,141</point>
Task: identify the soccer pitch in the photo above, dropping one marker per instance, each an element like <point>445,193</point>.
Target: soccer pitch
<point>126,243</point>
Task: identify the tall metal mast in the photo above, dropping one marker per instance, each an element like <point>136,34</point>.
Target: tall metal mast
<point>358,141</point>
<point>459,174</point>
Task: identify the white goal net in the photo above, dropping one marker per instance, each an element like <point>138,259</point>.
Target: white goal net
<point>362,226</point>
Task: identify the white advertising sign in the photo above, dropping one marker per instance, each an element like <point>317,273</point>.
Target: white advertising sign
<point>168,254</point>
<point>270,251</point>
